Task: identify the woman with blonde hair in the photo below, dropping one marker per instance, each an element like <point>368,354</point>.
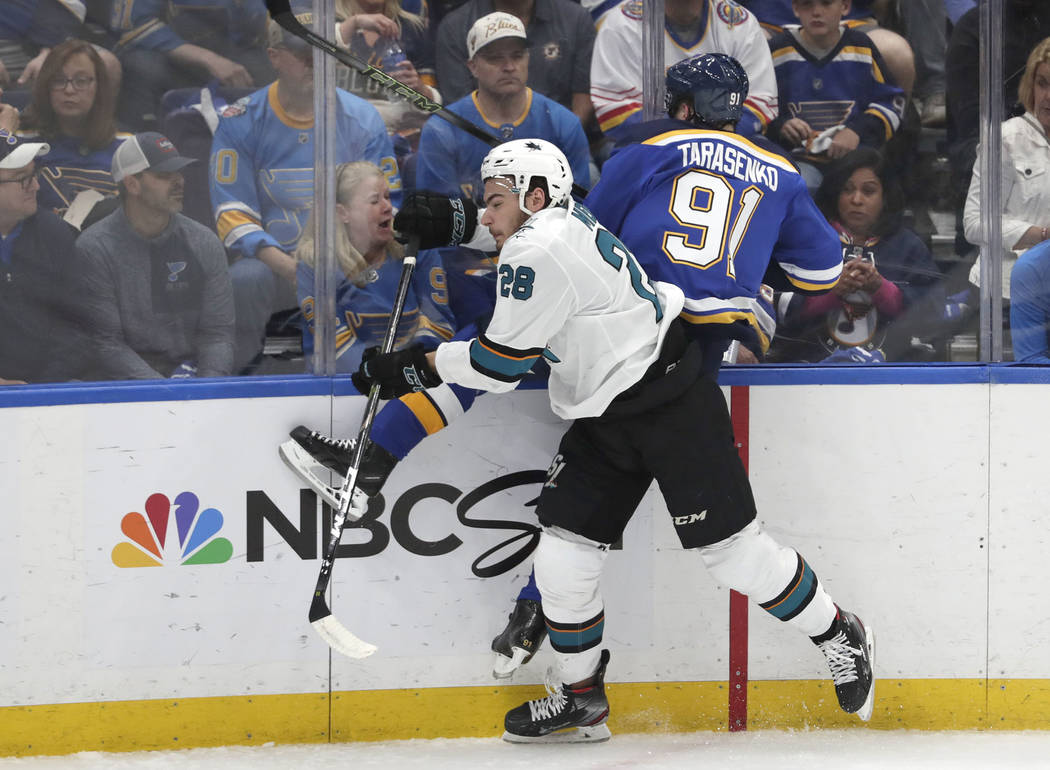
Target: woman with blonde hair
<point>368,270</point>
<point>1025,174</point>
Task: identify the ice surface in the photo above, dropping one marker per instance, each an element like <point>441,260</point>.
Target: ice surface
<point>858,749</point>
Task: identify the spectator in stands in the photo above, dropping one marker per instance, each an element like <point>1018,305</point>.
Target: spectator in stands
<point>498,57</point>
<point>691,27</point>
<point>38,293</point>
<point>168,44</point>
<point>368,265</point>
<point>833,90</point>
<point>1026,173</point>
<point>261,175</point>
<point>386,35</point>
<point>1025,23</point>
<point>30,28</point>
<point>157,291</point>
<point>73,110</point>
<point>890,288</point>
<point>561,38</point>
<point>776,15</point>
<point>1030,306</point>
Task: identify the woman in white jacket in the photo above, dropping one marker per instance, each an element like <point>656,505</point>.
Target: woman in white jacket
<point>1026,172</point>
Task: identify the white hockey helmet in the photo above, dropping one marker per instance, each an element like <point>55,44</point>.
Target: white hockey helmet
<point>524,159</point>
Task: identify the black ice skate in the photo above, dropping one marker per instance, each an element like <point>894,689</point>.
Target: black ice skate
<point>566,715</point>
<point>518,642</point>
<point>308,449</point>
<point>851,657</point>
<point>333,453</point>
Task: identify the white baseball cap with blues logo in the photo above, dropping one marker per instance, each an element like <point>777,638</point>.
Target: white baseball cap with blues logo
<point>493,27</point>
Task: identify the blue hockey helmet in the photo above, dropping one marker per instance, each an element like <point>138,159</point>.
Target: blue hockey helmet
<point>716,84</point>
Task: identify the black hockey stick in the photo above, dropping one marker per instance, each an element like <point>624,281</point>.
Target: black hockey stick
<point>281,12</point>
<point>338,636</point>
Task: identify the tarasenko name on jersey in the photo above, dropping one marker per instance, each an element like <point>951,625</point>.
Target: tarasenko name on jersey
<point>726,159</point>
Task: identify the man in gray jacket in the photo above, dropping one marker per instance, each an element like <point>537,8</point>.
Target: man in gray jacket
<point>157,288</point>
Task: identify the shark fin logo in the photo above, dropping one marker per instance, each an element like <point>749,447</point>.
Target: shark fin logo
<point>149,543</point>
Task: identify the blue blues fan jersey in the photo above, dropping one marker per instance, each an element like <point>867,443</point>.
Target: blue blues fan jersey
<point>363,312</point>
<point>262,167</point>
<point>67,170</point>
<point>449,159</point>
<point>775,14</point>
<point>707,210</point>
<point>848,86</point>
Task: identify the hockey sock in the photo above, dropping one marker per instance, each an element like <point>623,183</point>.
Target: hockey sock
<point>774,576</point>
<point>405,422</point>
<point>529,590</point>
<point>568,574</point>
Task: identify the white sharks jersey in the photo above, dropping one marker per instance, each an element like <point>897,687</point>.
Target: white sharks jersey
<point>570,291</point>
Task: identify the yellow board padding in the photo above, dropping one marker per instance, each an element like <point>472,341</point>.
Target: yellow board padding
<point>460,712</point>
<point>147,725</point>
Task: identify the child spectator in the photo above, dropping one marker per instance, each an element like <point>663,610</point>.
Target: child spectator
<point>73,111</point>
<point>834,91</point>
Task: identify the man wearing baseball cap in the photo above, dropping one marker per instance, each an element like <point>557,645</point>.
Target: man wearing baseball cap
<point>156,284</point>
<point>561,34</point>
<point>38,340</point>
<point>449,159</point>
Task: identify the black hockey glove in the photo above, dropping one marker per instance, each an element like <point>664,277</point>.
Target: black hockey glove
<point>436,219</point>
<point>397,373</point>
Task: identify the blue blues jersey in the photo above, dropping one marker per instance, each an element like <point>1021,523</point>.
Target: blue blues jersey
<point>712,211</point>
<point>66,171</point>
<point>449,159</point>
<point>775,14</point>
<point>849,86</point>
<point>363,312</point>
<point>262,167</point>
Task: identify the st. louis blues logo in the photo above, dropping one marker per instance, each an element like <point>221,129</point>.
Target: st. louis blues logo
<point>175,268</point>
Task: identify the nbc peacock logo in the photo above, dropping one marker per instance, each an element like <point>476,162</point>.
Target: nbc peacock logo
<point>150,544</point>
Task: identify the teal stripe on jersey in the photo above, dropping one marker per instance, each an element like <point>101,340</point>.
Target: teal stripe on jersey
<point>505,365</point>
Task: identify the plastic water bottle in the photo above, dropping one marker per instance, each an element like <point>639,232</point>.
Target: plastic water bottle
<point>391,56</point>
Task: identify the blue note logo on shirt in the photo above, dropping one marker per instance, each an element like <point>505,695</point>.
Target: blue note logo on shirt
<point>174,269</point>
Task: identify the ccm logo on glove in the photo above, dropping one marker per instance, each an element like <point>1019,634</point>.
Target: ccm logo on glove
<point>396,373</point>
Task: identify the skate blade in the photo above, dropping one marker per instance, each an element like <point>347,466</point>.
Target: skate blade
<point>865,711</point>
<point>300,462</point>
<point>592,734</point>
<point>504,667</point>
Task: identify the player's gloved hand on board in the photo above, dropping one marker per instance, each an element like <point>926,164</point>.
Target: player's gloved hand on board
<point>397,373</point>
<point>436,219</point>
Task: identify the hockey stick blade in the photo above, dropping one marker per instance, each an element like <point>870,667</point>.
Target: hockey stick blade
<point>281,12</point>
<point>338,637</point>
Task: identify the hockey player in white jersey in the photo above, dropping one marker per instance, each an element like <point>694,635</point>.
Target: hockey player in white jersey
<point>623,369</point>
